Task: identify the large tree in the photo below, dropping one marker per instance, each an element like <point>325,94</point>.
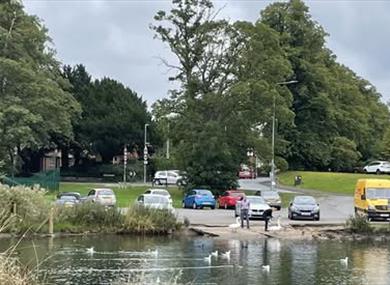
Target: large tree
<point>333,107</point>
<point>33,102</point>
<point>112,115</point>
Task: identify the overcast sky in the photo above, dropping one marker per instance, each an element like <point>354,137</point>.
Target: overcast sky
<point>113,39</point>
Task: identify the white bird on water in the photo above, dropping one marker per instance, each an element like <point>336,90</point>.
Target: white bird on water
<point>226,255</point>
<point>236,225</point>
<point>278,227</point>
<point>344,261</point>
<point>214,253</point>
<point>91,250</point>
<point>208,259</point>
<point>266,268</point>
<point>153,252</point>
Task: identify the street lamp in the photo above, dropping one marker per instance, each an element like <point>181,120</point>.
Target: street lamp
<point>168,117</point>
<point>273,183</point>
<point>145,151</point>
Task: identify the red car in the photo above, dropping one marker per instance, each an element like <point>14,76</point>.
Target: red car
<point>229,198</point>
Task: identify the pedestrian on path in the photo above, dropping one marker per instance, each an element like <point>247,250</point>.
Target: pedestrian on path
<point>267,216</point>
<point>244,211</point>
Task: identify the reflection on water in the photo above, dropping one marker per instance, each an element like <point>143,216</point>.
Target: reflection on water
<point>153,260</point>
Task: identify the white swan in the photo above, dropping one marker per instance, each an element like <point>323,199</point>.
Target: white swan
<point>344,260</point>
<point>278,227</point>
<point>153,252</point>
<point>214,253</point>
<point>208,259</point>
<point>236,225</point>
<point>226,255</point>
<point>91,250</point>
<point>266,268</point>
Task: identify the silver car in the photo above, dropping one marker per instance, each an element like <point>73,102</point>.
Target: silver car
<point>155,201</point>
<point>102,196</point>
<point>161,192</point>
<point>272,198</point>
<point>257,206</point>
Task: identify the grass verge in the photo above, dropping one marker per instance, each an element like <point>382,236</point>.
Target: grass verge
<point>334,182</point>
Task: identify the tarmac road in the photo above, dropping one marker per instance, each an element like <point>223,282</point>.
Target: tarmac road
<point>334,209</point>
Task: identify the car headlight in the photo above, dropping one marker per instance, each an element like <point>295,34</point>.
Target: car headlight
<point>293,208</point>
<point>316,209</point>
<point>370,207</point>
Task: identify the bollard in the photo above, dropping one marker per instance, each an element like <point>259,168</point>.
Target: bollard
<point>51,224</point>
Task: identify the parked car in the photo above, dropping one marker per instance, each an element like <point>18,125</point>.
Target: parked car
<point>271,197</point>
<point>162,192</point>
<point>155,201</point>
<point>377,167</point>
<point>102,196</point>
<point>168,177</point>
<point>68,199</point>
<point>257,206</point>
<point>304,207</point>
<point>229,198</point>
<point>199,198</point>
<point>246,172</point>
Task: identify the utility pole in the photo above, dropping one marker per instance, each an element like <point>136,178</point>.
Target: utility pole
<point>124,164</point>
<point>145,151</point>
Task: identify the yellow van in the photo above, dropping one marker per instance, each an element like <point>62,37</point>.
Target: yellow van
<point>372,198</point>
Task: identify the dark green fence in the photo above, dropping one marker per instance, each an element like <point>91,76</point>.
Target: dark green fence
<point>49,180</point>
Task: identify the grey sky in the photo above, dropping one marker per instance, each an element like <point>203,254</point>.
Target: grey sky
<point>113,39</point>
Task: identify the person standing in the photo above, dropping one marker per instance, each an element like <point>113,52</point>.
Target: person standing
<point>244,211</point>
<point>267,216</point>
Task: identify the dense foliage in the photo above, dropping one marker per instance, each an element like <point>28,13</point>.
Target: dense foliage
<point>231,76</point>
<point>33,102</point>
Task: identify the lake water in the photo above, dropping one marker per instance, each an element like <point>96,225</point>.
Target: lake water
<point>118,259</point>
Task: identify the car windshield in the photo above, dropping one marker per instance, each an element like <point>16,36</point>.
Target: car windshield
<point>378,193</point>
<point>256,200</point>
<point>236,194</point>
<point>270,194</point>
<point>105,192</point>
<point>161,192</point>
<point>304,200</point>
<point>155,200</point>
<point>204,193</point>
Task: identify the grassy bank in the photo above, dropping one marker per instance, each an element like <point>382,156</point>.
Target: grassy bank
<point>125,196</point>
<point>334,182</point>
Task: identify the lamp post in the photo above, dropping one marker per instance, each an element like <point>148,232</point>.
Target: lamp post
<point>273,183</point>
<point>168,117</point>
<point>145,151</point>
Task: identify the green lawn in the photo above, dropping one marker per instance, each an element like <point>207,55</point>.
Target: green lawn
<point>124,195</point>
<point>335,182</point>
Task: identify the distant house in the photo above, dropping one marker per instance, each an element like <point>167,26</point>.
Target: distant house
<point>118,159</point>
<point>50,160</point>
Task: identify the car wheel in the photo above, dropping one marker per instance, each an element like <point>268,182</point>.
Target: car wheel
<point>378,172</point>
<point>178,183</point>
<point>318,218</point>
<point>212,207</point>
<point>235,214</point>
<point>278,208</point>
<point>158,182</point>
<point>194,206</point>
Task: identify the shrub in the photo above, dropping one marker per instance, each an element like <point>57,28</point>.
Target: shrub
<point>88,216</point>
<point>30,204</point>
<point>359,224</point>
<point>143,220</point>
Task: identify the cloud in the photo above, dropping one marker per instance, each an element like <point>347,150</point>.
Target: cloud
<point>112,38</point>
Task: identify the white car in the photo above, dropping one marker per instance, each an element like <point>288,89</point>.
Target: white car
<point>161,192</point>
<point>377,167</point>
<point>257,206</point>
<point>102,196</point>
<point>168,177</point>
<point>155,201</point>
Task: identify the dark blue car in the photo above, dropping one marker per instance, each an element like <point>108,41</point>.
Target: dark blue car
<point>199,198</point>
